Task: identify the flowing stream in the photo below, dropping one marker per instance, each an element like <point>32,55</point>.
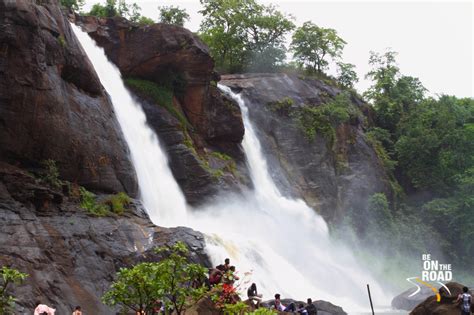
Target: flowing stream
<point>279,243</point>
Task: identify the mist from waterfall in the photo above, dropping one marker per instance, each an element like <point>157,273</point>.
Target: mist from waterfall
<point>281,242</point>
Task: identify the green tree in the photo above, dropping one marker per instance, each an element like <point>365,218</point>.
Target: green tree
<point>173,280</point>
<point>75,5</point>
<point>436,143</point>
<point>130,11</point>
<point>9,277</point>
<point>313,45</point>
<point>347,75</point>
<point>242,33</point>
<point>173,15</point>
<point>391,94</point>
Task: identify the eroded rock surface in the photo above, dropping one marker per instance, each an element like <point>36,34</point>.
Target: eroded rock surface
<point>332,178</point>
<point>52,105</point>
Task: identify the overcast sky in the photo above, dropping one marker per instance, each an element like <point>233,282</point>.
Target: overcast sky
<point>434,39</point>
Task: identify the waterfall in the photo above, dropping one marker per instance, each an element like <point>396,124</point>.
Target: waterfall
<point>159,192</point>
<point>281,242</point>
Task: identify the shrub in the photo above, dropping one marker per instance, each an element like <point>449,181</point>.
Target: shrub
<point>160,94</point>
<point>118,202</point>
<point>9,276</point>
<point>173,280</point>
<point>50,175</point>
<point>313,120</point>
<point>282,106</point>
<point>89,203</point>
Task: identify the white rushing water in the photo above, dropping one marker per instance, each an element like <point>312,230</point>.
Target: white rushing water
<point>282,242</point>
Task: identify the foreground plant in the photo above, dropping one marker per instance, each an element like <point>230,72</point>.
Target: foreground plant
<point>173,280</point>
<point>9,277</point>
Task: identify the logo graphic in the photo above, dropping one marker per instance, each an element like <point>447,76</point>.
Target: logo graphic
<point>435,272</point>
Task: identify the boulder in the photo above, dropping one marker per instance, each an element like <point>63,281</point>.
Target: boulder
<point>405,302</point>
<point>333,178</point>
<point>52,105</point>
<point>324,307</point>
<point>446,306</point>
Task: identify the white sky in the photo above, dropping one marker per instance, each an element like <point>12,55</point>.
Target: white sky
<point>434,39</point>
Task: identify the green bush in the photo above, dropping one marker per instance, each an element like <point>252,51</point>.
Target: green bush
<point>8,277</point>
<point>89,203</point>
<point>314,120</point>
<point>282,106</point>
<point>113,204</point>
<point>160,94</point>
<point>50,174</point>
<point>118,202</point>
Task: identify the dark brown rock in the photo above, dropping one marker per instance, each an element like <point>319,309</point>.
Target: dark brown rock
<point>52,105</point>
<point>404,301</point>
<point>213,121</point>
<point>446,306</point>
<point>331,178</point>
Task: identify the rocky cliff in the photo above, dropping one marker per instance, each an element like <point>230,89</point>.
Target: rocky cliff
<point>52,105</point>
<point>200,127</point>
<point>332,166</point>
<point>55,113</point>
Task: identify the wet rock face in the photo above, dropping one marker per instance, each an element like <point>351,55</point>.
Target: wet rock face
<point>71,257</point>
<point>52,105</point>
<point>332,179</point>
<point>160,53</point>
<point>446,306</point>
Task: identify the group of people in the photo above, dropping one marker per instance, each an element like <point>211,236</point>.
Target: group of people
<point>225,273</point>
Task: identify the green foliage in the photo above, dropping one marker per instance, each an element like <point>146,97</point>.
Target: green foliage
<point>312,45</point>
<point>50,175</point>
<point>378,137</point>
<point>173,15</point>
<point>173,280</point>
<point>89,203</point>
<point>391,94</point>
<point>75,5</point>
<point>262,311</point>
<point>347,75</point>
<point>314,120</point>
<point>61,41</point>
<point>118,202</point>
<point>244,35</point>
<point>160,94</point>
<point>145,21</point>
<point>282,106</point>
<point>436,143</point>
<point>238,308</point>
<point>9,277</point>
<point>111,8</point>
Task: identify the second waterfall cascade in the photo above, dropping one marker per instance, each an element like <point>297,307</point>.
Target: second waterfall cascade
<point>282,242</point>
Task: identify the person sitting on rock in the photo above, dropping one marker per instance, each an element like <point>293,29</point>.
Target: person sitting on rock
<point>253,295</point>
<point>302,309</point>
<point>282,308</point>
<point>465,299</point>
<point>311,308</point>
<point>77,311</point>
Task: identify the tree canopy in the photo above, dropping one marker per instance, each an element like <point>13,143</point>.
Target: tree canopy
<point>244,35</point>
<point>313,45</point>
<point>173,15</point>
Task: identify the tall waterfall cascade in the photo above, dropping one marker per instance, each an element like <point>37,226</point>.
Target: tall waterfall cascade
<point>279,243</point>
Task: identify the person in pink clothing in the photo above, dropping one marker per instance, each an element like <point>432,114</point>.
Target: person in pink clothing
<point>42,309</point>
